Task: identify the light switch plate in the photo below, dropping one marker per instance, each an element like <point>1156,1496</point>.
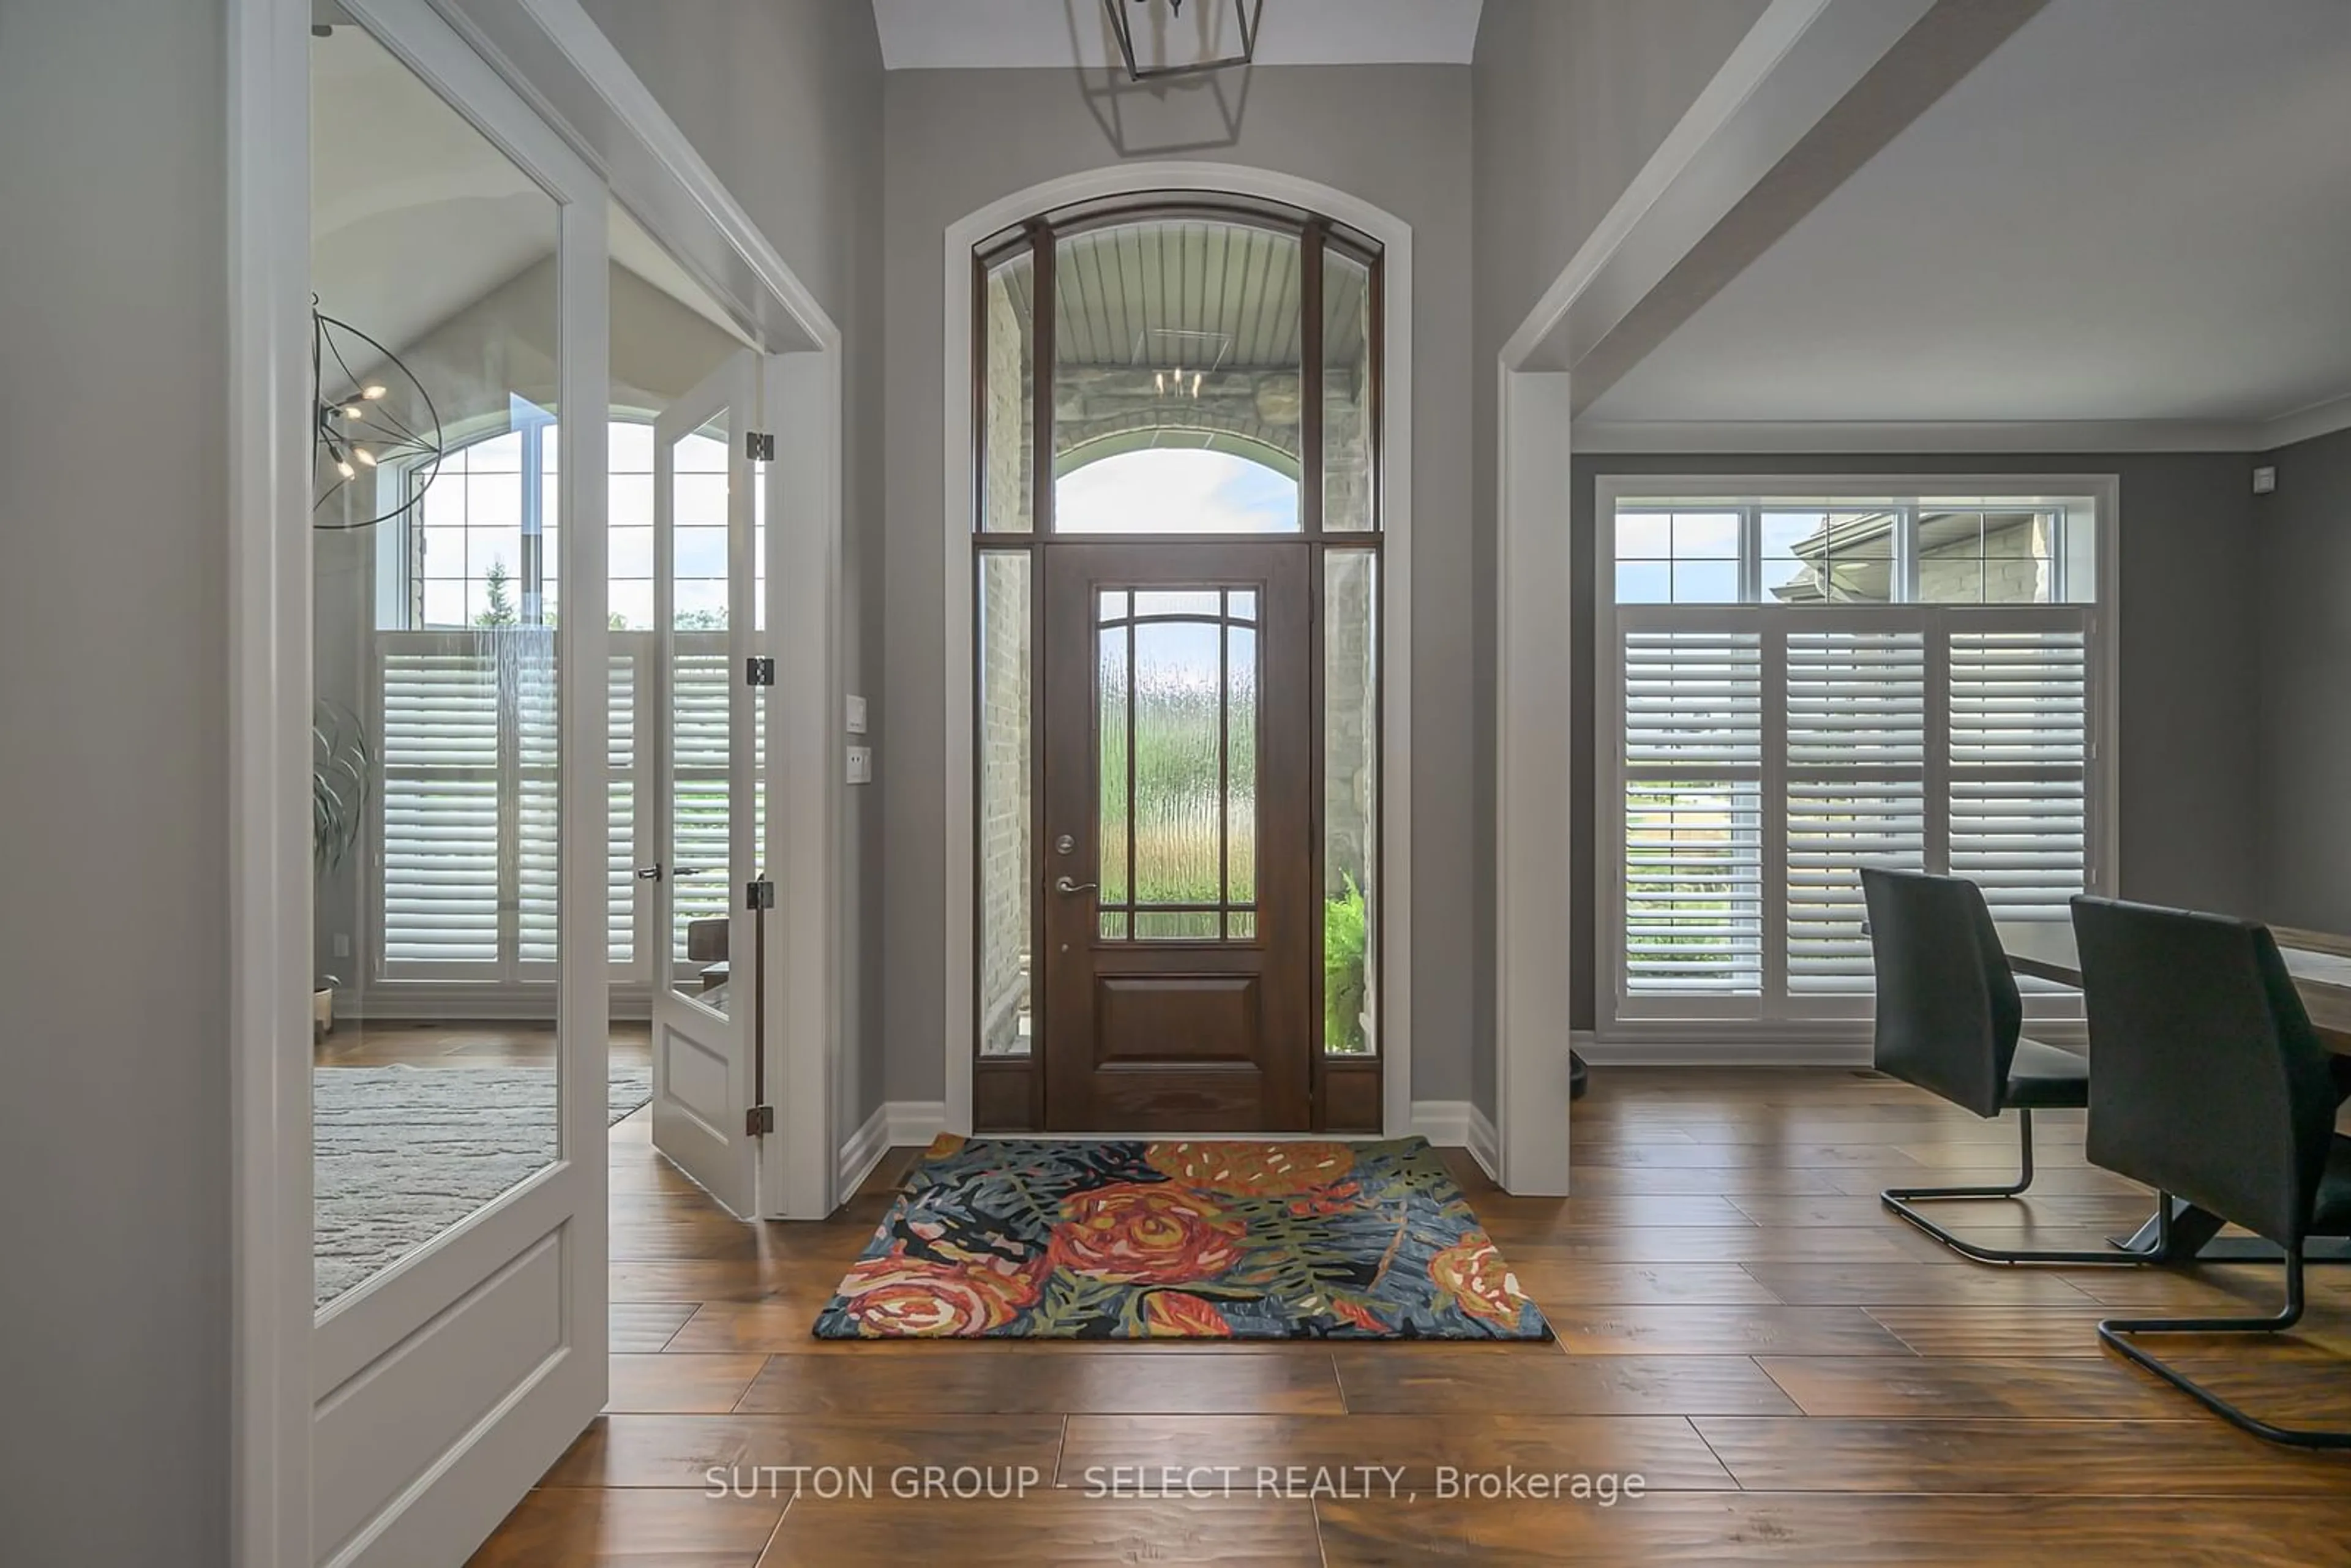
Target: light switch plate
<point>2264,479</point>
<point>861,764</point>
<point>854,718</point>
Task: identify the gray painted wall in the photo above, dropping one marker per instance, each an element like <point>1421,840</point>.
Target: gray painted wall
<point>783,99</point>
<point>1395,136</point>
<point>2190,663</point>
<point>2302,551</point>
<point>114,1303</point>
<point>1571,98</point>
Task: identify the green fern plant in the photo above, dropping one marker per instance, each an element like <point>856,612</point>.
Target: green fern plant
<point>1346,932</point>
<point>341,763</point>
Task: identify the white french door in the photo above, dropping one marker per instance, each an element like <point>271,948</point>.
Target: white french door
<point>708,984</point>
<point>461,1261</point>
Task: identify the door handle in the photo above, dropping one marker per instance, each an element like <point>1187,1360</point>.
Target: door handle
<point>649,872</point>
<point>678,870</point>
<point>1063,884</point>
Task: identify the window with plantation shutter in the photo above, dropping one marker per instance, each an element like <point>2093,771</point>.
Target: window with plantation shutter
<point>700,693</point>
<point>1802,684</point>
<point>442,820</point>
<point>1693,755</point>
<point>2020,734</point>
<point>464,852</point>
<point>630,651</point>
<point>1854,789</point>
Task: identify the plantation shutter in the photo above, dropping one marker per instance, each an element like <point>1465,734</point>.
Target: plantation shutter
<point>1692,819</point>
<point>700,693</point>
<point>538,822</point>
<point>1855,791</point>
<point>441,814</point>
<point>2019,738</point>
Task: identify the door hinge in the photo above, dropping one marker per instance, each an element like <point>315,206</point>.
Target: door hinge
<point>759,672</point>
<point>759,896</point>
<point>758,1120</point>
<point>760,445</point>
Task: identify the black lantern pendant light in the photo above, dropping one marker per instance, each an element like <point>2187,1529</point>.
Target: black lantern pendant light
<point>1122,21</point>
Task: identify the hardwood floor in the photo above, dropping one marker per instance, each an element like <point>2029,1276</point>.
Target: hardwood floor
<point>1796,1376</point>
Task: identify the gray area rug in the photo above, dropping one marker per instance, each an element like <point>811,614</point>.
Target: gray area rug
<point>403,1153</point>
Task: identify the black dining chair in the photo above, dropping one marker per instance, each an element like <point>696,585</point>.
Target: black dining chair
<point>2211,1087</point>
<point>1949,1020</point>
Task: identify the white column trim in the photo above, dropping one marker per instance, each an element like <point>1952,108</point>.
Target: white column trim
<point>1534,773</point>
<point>269,699</point>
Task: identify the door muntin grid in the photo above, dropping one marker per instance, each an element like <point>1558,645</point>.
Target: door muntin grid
<point>1177,697</point>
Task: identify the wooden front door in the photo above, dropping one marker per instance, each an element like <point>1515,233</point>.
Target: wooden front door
<point>1178,865</point>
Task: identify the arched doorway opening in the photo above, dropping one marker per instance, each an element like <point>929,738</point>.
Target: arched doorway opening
<point>1177,907</point>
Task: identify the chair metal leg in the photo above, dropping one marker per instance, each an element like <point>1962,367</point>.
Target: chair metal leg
<point>1899,1201</point>
<point>2111,1333</point>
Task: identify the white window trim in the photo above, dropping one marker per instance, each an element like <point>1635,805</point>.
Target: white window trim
<point>1692,1035</point>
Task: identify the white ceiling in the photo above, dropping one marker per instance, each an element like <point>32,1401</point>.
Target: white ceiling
<point>933,35</point>
<point>2134,210</point>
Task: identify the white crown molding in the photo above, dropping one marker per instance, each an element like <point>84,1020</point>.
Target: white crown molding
<point>1827,436</point>
<point>2304,424</point>
<point>1830,436</point>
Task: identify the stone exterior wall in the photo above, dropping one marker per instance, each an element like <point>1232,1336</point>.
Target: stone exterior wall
<point>1005,418</point>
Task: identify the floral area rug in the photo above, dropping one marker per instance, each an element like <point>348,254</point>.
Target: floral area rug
<point>1180,1239</point>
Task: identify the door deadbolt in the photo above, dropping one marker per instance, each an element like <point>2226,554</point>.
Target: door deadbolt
<point>1065,845</point>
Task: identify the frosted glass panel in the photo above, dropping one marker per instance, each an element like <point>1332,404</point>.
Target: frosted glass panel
<point>1176,733</point>
<point>1177,719</point>
<point>1007,863</point>
<point>1350,815</point>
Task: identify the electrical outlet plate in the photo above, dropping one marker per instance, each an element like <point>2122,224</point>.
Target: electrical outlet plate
<point>861,764</point>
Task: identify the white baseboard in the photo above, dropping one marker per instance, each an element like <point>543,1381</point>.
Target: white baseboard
<point>1664,1050</point>
<point>894,1124</point>
<point>862,1153</point>
<point>913,1124</point>
<point>1459,1124</point>
<point>433,1001</point>
<point>1485,1144</point>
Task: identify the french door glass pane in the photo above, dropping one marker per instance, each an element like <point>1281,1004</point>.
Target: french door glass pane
<point>701,717</point>
<point>435,818</point>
